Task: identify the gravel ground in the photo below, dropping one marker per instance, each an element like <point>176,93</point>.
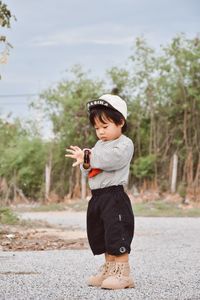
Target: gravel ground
<point>165,262</point>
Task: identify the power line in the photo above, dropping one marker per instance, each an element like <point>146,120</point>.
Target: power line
<point>13,103</point>
<point>25,95</point>
<point>18,95</point>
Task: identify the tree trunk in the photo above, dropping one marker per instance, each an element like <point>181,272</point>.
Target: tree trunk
<point>21,195</point>
<point>83,186</point>
<point>196,181</point>
<point>174,173</point>
<point>47,179</point>
<point>188,169</point>
<point>71,183</point>
<point>48,168</point>
<point>77,189</point>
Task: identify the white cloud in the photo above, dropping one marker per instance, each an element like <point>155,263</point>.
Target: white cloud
<point>106,34</point>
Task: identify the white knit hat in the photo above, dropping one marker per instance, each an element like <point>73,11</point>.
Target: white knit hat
<point>112,101</point>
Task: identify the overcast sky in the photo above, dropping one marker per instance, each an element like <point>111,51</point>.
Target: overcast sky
<point>51,36</point>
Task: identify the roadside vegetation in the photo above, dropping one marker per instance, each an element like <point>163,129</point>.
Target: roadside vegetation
<point>7,216</point>
<point>158,208</point>
<point>162,93</point>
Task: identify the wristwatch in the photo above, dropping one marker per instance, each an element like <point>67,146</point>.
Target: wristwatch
<point>86,159</point>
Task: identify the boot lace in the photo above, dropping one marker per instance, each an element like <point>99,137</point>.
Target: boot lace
<point>119,270</point>
<point>103,269</point>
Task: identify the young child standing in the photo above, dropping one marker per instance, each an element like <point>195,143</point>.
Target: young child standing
<point>110,219</point>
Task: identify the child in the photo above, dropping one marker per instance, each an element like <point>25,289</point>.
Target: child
<point>110,219</point>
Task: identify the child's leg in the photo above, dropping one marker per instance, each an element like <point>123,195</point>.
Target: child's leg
<point>122,258</point>
<point>109,257</point>
<point>104,272</point>
<point>120,277</point>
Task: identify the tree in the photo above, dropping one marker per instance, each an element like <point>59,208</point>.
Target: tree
<point>22,162</point>
<point>184,106</point>
<point>162,93</point>
<point>164,109</point>
<point>5,18</point>
<point>65,106</point>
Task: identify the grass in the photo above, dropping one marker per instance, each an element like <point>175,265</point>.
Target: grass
<point>41,207</point>
<point>79,205</point>
<point>159,208</point>
<point>49,207</point>
<point>7,216</point>
<point>164,209</point>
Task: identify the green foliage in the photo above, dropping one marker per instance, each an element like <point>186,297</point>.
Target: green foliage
<point>162,93</point>
<point>161,208</point>
<point>24,164</point>
<point>48,207</point>
<point>143,167</point>
<point>182,189</point>
<point>22,158</point>
<point>7,216</point>
<point>5,15</point>
<point>5,19</point>
<point>65,106</point>
<point>119,79</point>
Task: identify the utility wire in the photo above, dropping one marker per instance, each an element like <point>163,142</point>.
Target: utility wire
<point>17,95</point>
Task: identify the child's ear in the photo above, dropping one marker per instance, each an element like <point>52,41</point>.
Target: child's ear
<point>122,123</point>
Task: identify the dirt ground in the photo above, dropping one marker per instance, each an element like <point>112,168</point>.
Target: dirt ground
<point>40,235</point>
<point>18,238</point>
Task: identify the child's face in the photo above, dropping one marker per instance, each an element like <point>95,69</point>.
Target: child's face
<point>107,131</point>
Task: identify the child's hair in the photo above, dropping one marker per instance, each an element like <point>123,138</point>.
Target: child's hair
<point>101,112</point>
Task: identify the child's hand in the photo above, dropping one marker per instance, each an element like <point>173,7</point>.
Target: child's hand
<point>77,154</point>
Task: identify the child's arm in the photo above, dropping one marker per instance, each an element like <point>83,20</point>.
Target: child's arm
<point>113,158</point>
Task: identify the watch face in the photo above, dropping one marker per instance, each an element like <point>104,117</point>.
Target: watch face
<point>86,156</point>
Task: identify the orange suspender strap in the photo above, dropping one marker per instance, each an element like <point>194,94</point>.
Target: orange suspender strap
<point>94,172</point>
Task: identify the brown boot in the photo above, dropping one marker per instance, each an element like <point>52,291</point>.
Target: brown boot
<point>104,272</point>
<point>121,278</point>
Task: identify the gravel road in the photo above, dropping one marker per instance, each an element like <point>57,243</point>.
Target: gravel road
<point>165,262</point>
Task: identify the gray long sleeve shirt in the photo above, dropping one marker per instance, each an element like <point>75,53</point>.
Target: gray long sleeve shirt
<point>113,157</point>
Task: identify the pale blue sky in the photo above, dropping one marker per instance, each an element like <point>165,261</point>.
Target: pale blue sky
<point>51,36</point>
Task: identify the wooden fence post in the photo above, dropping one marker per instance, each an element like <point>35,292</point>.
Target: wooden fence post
<point>174,173</point>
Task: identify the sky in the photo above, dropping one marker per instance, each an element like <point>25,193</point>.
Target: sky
<point>49,37</point>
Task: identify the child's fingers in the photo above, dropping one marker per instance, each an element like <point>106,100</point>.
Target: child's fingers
<point>70,155</point>
<point>69,150</point>
<point>75,148</point>
<point>75,164</point>
<point>72,148</point>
